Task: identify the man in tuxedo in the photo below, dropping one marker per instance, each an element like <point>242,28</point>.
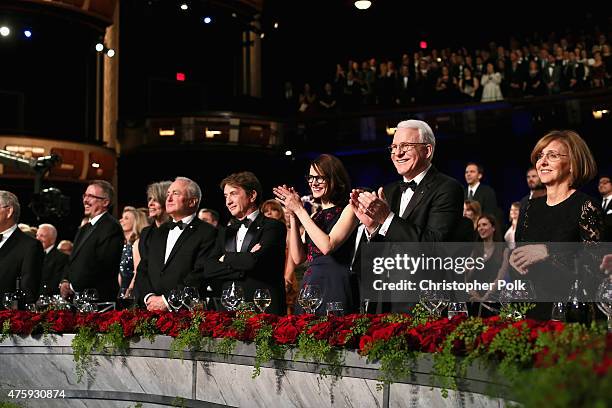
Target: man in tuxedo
<point>605,189</point>
<point>210,216</point>
<point>54,261</point>
<point>536,188</point>
<point>21,256</point>
<point>94,261</point>
<point>177,249</point>
<point>426,206</point>
<point>477,191</point>
<point>251,250</point>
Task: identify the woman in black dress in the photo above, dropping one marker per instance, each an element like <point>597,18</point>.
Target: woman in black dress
<point>495,256</point>
<point>329,237</point>
<point>564,163</point>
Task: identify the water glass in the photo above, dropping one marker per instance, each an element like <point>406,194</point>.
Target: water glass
<point>558,311</point>
<point>604,300</point>
<point>9,301</point>
<point>310,298</point>
<point>175,300</point>
<point>457,309</point>
<point>335,309</point>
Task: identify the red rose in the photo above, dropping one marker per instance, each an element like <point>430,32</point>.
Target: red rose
<point>285,332</point>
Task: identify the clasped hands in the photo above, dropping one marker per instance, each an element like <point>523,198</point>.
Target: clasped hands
<point>371,208</point>
<point>525,256</point>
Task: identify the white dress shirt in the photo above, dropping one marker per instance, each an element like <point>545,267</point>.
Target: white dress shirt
<point>174,235</point>
<point>6,234</point>
<point>243,230</point>
<point>406,197</point>
<point>473,189</point>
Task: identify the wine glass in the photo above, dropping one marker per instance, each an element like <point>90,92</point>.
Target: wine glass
<point>190,297</point>
<point>558,311</point>
<point>43,302</point>
<point>604,301</point>
<point>262,299</point>
<point>175,300</point>
<point>311,298</point>
<point>126,299</point>
<point>79,301</point>
<point>9,301</point>
<point>434,301</point>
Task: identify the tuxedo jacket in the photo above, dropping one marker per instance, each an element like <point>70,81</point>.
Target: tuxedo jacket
<point>433,213</point>
<point>21,255</point>
<point>185,263</point>
<point>52,271</point>
<point>607,219</point>
<point>262,269</point>
<point>485,195</point>
<point>94,261</point>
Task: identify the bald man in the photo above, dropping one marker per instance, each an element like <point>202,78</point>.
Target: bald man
<point>54,262</point>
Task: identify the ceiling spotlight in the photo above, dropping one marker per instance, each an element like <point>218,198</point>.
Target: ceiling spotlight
<point>288,152</point>
<point>262,35</point>
<point>99,47</point>
<point>184,6</point>
<point>275,25</point>
<point>234,15</point>
<point>110,53</point>
<point>4,31</point>
<point>27,33</point>
<point>207,20</point>
<point>363,4</point>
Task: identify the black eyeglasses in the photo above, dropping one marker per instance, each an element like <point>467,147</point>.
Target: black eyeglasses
<point>93,196</point>
<point>318,179</point>
<point>403,147</point>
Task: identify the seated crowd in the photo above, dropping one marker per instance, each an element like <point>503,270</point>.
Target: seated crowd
<point>174,243</point>
<point>534,67</point>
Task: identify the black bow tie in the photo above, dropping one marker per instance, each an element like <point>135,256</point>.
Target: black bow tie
<point>179,224</point>
<point>236,223</point>
<point>405,185</point>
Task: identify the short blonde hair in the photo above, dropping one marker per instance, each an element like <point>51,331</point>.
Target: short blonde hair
<point>582,163</point>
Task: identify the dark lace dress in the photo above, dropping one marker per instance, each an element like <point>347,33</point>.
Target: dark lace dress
<point>331,272</point>
<point>577,219</point>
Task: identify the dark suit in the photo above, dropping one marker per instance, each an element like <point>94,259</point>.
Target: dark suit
<point>94,261</point>
<point>21,255</point>
<point>185,263</point>
<point>433,213</point>
<point>485,195</point>
<point>262,269</point>
<point>52,271</point>
<point>607,218</point>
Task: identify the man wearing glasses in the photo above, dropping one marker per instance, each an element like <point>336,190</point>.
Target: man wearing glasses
<point>20,255</point>
<point>425,206</point>
<point>94,261</point>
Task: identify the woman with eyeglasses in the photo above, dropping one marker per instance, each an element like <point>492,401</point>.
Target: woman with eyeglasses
<point>564,164</point>
<point>328,241</point>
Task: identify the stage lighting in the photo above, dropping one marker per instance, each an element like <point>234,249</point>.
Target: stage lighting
<point>27,33</point>
<point>288,153</point>
<point>363,4</point>
<point>262,35</point>
<point>110,53</point>
<point>99,47</point>
<point>275,25</point>
<point>184,6</point>
<point>423,45</point>
<point>207,20</point>
<point>5,31</point>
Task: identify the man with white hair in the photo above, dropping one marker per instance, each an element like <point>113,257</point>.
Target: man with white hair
<point>177,249</point>
<point>21,256</point>
<point>425,206</point>
<point>54,261</point>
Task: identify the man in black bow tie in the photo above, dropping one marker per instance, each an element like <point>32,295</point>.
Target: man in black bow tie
<point>177,249</point>
<point>251,250</point>
<point>426,206</point>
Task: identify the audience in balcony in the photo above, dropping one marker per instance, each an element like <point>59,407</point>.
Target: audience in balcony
<point>537,67</point>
